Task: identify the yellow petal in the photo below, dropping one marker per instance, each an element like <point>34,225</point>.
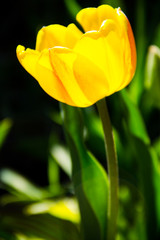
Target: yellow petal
<point>107,50</point>
<point>73,34</point>
<point>118,46</point>
<point>90,78</point>
<point>57,35</point>
<point>92,18</point>
<point>130,53</point>
<point>50,36</point>
<point>82,79</point>
<point>27,58</point>
<point>63,60</point>
<point>39,66</point>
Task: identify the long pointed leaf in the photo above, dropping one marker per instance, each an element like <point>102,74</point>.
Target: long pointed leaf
<point>90,179</point>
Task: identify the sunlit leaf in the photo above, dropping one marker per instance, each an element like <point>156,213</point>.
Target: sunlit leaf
<point>65,208</point>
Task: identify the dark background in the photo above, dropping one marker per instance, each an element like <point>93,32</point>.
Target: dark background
<point>21,99</point>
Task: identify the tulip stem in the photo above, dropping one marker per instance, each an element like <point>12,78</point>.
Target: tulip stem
<point>112,170</point>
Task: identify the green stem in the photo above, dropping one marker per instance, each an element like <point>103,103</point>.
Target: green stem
<point>112,170</point>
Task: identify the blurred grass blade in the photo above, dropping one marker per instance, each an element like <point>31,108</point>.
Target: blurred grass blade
<point>5,126</point>
<point>152,75</point>
<point>55,187</point>
<point>53,171</point>
<point>20,186</point>
<point>61,155</point>
<point>90,179</point>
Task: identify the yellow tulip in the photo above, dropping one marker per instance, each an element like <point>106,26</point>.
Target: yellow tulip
<point>81,68</point>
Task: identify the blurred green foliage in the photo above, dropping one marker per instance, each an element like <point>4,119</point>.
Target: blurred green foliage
<point>34,159</point>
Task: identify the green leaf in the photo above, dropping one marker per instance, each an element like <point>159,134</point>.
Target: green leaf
<point>53,171</point>
<point>54,177</point>
<point>149,176</point>
<point>73,7</point>
<point>156,147</point>
<point>90,179</point>
<point>94,136</point>
<point>134,119</point>
<point>148,167</point>
<point>156,179</point>
<point>5,126</point>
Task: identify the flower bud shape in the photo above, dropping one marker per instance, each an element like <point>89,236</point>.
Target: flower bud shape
<point>81,68</point>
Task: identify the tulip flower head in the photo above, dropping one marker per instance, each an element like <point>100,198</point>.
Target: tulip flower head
<point>81,68</point>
